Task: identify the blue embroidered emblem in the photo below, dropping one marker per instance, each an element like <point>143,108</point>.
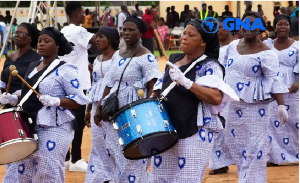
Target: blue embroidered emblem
<point>240,86</point>
<point>181,162</point>
<point>151,58</point>
<point>75,83</point>
<point>210,136</point>
<point>50,145</point>
<point>261,112</point>
<point>270,139</point>
<point>291,53</point>
<point>206,120</point>
<point>276,123</point>
<point>259,155</point>
<point>158,82</point>
<point>218,153</point>
<point>209,71</point>
<point>92,168</point>
<point>297,125</point>
<point>244,154</point>
<point>61,108</point>
<point>230,62</point>
<point>248,84</point>
<point>283,156</point>
<point>56,72</point>
<point>157,160</point>
<point>95,76</point>
<point>239,112</point>
<point>122,61</point>
<point>131,178</point>
<point>286,141</point>
<point>232,132</point>
<point>255,68</point>
<point>21,168</point>
<point>108,154</point>
<point>202,134</point>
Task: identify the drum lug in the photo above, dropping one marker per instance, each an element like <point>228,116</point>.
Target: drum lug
<point>121,142</point>
<point>166,122</point>
<point>133,113</point>
<point>35,137</point>
<point>116,127</point>
<point>161,108</point>
<point>30,120</point>
<point>139,130</point>
<point>16,116</point>
<point>21,133</point>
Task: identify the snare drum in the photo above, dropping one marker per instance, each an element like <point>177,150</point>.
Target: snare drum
<point>16,139</point>
<point>144,128</point>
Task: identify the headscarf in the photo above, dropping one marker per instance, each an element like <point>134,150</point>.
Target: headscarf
<point>211,39</point>
<point>280,17</point>
<point>139,23</point>
<point>65,47</point>
<point>110,31</point>
<point>255,15</point>
<point>33,32</point>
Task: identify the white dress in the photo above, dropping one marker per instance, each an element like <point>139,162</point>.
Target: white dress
<point>254,78</point>
<point>284,140</point>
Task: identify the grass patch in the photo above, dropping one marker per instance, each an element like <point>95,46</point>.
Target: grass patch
<point>168,52</point>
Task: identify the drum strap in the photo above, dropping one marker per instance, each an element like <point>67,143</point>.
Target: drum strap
<point>49,69</point>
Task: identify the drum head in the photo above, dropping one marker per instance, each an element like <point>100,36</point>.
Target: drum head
<point>150,145</point>
<point>17,150</point>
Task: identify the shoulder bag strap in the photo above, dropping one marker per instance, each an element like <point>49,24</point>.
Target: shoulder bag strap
<point>125,69</point>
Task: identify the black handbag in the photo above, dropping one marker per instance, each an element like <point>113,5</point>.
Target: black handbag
<point>111,105</point>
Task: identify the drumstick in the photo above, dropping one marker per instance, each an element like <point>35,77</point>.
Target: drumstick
<point>160,44</point>
<point>15,73</point>
<point>11,68</point>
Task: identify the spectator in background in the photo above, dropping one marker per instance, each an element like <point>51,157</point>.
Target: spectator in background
<point>227,13</point>
<point>7,17</point>
<point>190,17</point>
<point>89,19</point>
<point>3,32</point>
<point>169,18</point>
<point>147,38</point>
<point>154,14</point>
<point>111,19</point>
<point>291,6</point>
<point>204,12</point>
<point>283,10</point>
<point>121,17</point>
<point>248,9</point>
<point>259,10</point>
<point>87,12</point>
<point>294,32</point>
<point>139,13</point>
<point>163,32</point>
<point>196,12</point>
<point>184,14</point>
<point>175,16</point>
<point>289,11</point>
<point>13,30</point>
<point>269,27</point>
<point>212,13</point>
<point>276,11</point>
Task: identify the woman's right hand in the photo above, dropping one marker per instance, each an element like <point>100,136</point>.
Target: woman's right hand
<point>98,115</point>
<point>87,119</point>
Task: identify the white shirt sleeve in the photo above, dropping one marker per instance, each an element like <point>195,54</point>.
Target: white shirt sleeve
<point>121,19</point>
<point>84,37</point>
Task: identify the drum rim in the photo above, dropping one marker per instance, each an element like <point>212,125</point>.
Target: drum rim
<point>137,102</point>
<point>12,109</point>
<point>13,141</point>
<point>150,134</point>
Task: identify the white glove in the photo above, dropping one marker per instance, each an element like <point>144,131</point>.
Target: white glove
<point>7,98</point>
<point>176,75</point>
<point>282,114</point>
<point>47,100</point>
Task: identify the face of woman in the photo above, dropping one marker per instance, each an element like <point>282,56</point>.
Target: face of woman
<point>191,40</point>
<point>222,33</point>
<point>131,33</point>
<point>47,46</point>
<point>250,34</point>
<point>102,42</point>
<point>282,28</point>
<point>22,37</point>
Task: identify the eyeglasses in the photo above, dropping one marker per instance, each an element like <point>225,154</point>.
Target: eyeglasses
<point>20,34</point>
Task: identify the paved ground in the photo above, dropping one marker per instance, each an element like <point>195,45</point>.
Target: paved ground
<point>282,174</point>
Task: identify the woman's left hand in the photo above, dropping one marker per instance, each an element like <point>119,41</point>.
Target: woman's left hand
<point>176,75</point>
<point>294,88</point>
<point>47,100</point>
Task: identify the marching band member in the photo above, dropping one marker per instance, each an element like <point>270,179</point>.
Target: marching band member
<point>60,91</point>
<point>220,158</point>
<point>99,167</point>
<point>252,72</point>
<point>192,106</point>
<point>26,37</point>
<point>141,73</point>
<point>284,140</point>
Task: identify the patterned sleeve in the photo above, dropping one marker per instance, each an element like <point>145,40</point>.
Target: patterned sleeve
<point>159,82</point>
<point>271,82</point>
<point>68,77</point>
<point>296,67</point>
<point>150,69</point>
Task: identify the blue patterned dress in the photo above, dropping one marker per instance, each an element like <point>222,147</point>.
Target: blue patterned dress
<point>284,140</point>
<point>254,78</point>
<point>187,160</point>
<point>139,72</point>
<point>55,133</point>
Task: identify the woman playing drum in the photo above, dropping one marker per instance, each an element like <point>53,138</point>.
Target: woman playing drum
<point>192,106</point>
<point>99,166</point>
<point>26,37</point>
<point>141,73</point>
<point>60,91</point>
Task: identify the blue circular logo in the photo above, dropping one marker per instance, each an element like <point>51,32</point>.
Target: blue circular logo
<point>210,23</point>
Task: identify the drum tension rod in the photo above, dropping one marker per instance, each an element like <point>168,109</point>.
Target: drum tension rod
<point>21,133</point>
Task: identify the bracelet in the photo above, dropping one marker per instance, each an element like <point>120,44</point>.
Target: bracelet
<point>88,112</point>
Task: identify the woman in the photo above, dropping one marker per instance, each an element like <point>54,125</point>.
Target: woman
<point>284,140</point>
<point>252,72</point>
<point>26,36</point>
<point>141,73</point>
<point>220,158</point>
<point>99,170</point>
<point>60,91</point>
<point>169,18</point>
<point>194,119</point>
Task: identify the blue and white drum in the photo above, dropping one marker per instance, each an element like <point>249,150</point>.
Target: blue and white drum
<point>144,128</point>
